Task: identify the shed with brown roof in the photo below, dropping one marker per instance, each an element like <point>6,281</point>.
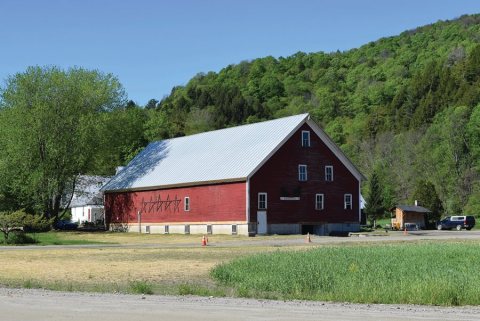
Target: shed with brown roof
<point>402,214</point>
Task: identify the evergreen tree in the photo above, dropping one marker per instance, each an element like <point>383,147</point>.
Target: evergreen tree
<point>427,196</point>
<point>374,207</point>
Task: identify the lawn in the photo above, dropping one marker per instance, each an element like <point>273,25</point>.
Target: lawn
<point>80,237</point>
<point>58,238</point>
<point>433,273</point>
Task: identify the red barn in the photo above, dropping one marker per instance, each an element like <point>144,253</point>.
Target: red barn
<point>282,176</point>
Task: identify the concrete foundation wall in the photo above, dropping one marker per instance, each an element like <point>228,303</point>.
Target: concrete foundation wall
<point>320,229</point>
<point>284,228</point>
<point>326,229</point>
<point>242,228</point>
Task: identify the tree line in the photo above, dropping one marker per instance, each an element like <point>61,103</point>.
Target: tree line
<point>405,109</point>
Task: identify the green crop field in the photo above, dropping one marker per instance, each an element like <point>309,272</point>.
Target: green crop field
<point>422,273</point>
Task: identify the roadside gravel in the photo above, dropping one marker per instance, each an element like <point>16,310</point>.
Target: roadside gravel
<point>35,304</point>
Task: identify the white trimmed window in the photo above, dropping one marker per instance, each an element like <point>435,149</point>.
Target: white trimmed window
<point>305,138</point>
<point>319,202</point>
<point>329,173</point>
<point>347,201</point>
<point>302,173</point>
<point>186,204</point>
<point>262,201</point>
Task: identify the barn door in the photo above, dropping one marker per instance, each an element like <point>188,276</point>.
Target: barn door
<point>262,222</point>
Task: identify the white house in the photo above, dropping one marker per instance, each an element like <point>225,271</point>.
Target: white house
<point>87,201</point>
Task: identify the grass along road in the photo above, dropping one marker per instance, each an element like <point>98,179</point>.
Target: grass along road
<point>430,273</point>
<point>154,263</point>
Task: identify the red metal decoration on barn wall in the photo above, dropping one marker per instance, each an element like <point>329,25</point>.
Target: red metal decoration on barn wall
<point>156,204</point>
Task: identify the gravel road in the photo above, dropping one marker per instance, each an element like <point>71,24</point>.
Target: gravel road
<point>32,304</point>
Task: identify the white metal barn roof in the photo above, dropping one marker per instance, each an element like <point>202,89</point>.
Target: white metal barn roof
<point>230,154</point>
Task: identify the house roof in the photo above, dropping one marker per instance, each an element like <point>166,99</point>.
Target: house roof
<point>87,191</point>
<point>225,155</point>
<point>418,209</point>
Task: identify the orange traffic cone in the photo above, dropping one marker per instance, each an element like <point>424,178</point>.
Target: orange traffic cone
<point>308,239</point>
<point>204,241</point>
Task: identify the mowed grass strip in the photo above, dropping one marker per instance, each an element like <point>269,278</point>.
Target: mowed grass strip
<point>431,273</point>
<point>81,237</point>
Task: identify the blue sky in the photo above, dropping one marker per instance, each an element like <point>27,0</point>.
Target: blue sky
<point>152,46</point>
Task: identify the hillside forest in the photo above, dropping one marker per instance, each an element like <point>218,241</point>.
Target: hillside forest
<point>405,109</point>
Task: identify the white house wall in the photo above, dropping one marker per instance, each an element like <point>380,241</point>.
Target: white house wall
<point>80,214</point>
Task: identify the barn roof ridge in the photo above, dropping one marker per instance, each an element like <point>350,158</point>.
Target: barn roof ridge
<point>228,128</point>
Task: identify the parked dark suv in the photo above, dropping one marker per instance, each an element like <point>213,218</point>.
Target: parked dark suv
<point>458,222</point>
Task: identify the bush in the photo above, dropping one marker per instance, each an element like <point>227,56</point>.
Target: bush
<point>19,237</point>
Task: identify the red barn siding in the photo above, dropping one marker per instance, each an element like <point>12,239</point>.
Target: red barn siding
<point>279,177</point>
<point>209,203</point>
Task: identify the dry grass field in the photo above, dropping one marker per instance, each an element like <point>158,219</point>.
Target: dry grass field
<point>109,269</point>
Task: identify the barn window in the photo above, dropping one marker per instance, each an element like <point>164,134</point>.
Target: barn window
<point>302,173</point>
<point>262,201</point>
<point>347,200</point>
<point>234,229</point>
<point>319,199</point>
<point>167,229</point>
<point>329,173</point>
<point>305,138</point>
<point>187,229</point>
<point>186,205</point>
<point>209,229</point>
<point>147,229</point>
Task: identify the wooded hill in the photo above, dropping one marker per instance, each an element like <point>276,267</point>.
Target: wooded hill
<point>406,108</point>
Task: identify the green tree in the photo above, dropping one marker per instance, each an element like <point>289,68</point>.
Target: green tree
<point>426,195</point>
<point>120,136</point>
<point>49,130</point>
<point>374,207</point>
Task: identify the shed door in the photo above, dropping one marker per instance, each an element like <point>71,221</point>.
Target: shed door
<point>262,222</point>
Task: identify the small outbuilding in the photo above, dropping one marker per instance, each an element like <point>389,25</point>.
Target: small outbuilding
<point>402,214</point>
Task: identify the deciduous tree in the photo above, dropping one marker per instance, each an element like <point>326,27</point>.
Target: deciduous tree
<point>49,130</point>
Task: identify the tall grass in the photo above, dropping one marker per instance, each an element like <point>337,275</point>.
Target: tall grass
<point>434,274</point>
<point>141,287</point>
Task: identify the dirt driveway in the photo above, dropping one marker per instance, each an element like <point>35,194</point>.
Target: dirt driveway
<point>16,305</point>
